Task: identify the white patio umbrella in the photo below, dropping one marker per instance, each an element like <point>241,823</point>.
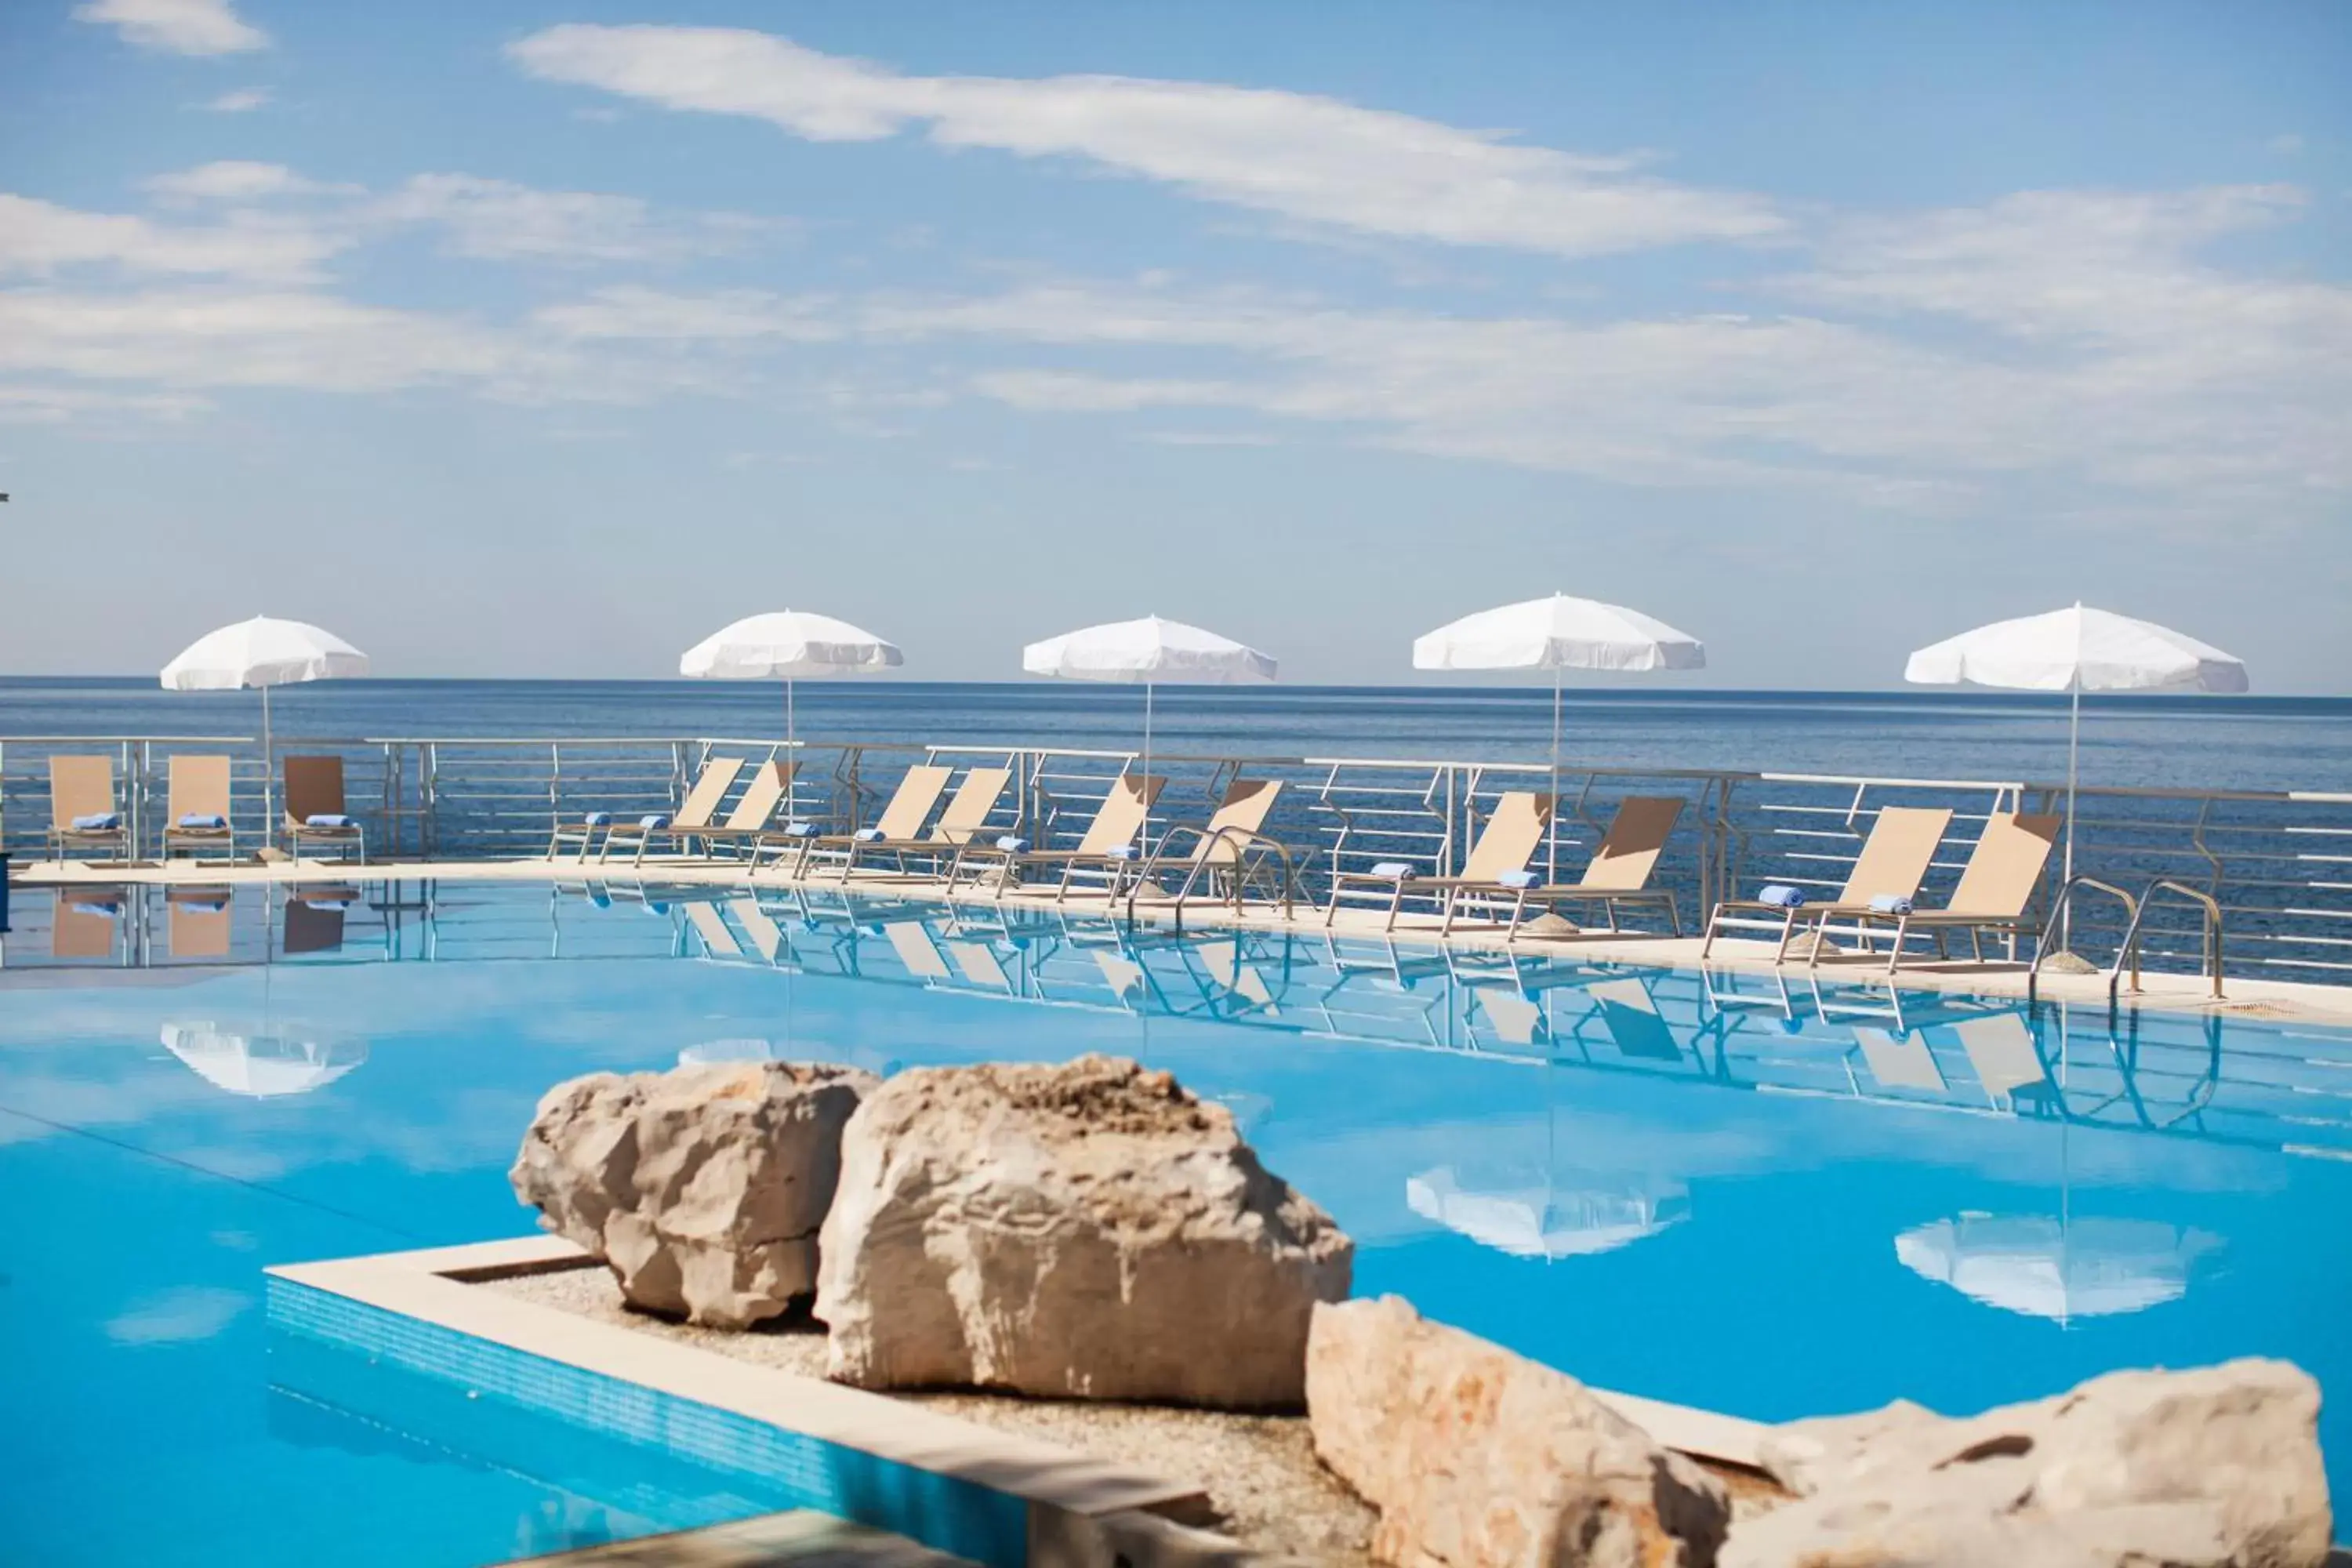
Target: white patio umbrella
<point>791,646</point>
<point>260,1067</point>
<point>1152,651</point>
<point>1558,634</point>
<point>2044,1266</point>
<point>2076,650</point>
<point>263,652</point>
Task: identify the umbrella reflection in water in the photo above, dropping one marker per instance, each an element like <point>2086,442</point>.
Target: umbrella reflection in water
<point>262,1066</point>
<point>2040,1265</point>
<point>1541,1220</point>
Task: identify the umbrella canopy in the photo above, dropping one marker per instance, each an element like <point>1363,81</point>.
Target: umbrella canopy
<point>2042,1267</point>
<point>790,646</point>
<point>260,1067</point>
<point>1150,651</point>
<point>262,652</point>
<point>2077,649</point>
<point>1558,634</point>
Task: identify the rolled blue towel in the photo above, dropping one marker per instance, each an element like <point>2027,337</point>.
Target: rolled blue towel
<point>1520,880</point>
<point>326,819</point>
<point>337,905</point>
<point>1391,870</point>
<point>1013,844</point>
<point>597,820</point>
<point>868,835</point>
<point>98,822</point>
<point>1780,896</point>
<point>197,819</point>
<point>1890,904</point>
<point>799,829</point>
<point>205,906</point>
<point>653,820</point>
<point>1122,852</point>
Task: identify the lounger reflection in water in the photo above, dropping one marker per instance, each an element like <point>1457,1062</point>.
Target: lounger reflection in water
<point>261,1066</point>
<point>1549,1219</point>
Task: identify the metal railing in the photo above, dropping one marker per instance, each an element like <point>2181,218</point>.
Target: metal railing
<point>2276,865</point>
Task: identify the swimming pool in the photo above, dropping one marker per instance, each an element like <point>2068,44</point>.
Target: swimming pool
<point>1771,1200</point>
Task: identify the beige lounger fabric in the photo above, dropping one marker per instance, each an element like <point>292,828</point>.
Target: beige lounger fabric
<point>698,811</point>
<point>314,788</point>
<point>84,786</point>
<point>198,787</point>
<point>1892,863</point>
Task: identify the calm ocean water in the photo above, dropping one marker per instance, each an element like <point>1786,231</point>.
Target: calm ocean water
<point>2161,741</point>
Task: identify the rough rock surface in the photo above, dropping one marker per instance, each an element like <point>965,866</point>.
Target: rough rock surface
<point>2220,1465</point>
<point>1086,1230</point>
<point>702,1188</point>
<point>1480,1458</point>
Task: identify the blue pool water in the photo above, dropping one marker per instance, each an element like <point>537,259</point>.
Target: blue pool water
<point>1768,1200</point>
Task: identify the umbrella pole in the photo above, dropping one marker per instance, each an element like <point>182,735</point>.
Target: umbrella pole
<point>1145,785</point>
<point>1551,825</point>
<point>268,776</point>
<point>2074,756</point>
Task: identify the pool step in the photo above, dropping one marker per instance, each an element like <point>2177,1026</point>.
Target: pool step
<point>802,1537</point>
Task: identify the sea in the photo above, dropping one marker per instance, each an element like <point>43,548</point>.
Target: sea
<point>2170,742</point>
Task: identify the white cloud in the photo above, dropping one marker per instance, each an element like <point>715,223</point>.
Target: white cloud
<point>233,180</point>
<point>40,237</point>
<point>497,220</point>
<point>642,315</point>
<point>177,26</point>
<point>1305,158</point>
<point>245,101</point>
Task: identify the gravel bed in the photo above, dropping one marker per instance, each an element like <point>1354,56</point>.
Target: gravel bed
<point>1260,1472</point>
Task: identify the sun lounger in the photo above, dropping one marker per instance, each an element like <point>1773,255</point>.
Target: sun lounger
<point>965,818</point>
<point>1995,888</point>
<point>752,819</point>
<point>1223,847</point>
<point>196,808</point>
<point>83,812</point>
<point>903,815</point>
<point>1108,845</point>
<point>1505,844</point>
<point>694,814</point>
<point>1618,872</point>
<point>1892,863</point>
<point>315,813</point>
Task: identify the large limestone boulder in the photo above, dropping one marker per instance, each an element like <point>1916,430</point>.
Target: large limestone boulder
<point>1088,1230</point>
<point>1480,1458</point>
<point>702,1188</point>
<point>2220,1465</point>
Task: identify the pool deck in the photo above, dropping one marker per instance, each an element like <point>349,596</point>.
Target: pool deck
<point>2164,991</point>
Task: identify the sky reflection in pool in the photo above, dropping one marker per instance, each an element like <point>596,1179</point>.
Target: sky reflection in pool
<point>1722,1190</point>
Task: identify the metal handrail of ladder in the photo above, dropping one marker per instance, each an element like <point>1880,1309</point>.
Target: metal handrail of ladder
<point>2056,922</point>
<point>2129,953</point>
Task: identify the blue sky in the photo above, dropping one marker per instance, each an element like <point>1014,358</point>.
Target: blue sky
<point>542,339</point>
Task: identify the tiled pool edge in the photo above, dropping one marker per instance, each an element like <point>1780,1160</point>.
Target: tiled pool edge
<point>418,1309</point>
<point>991,1497</point>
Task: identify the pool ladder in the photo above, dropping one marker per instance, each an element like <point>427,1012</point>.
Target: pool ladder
<point>2127,954</point>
